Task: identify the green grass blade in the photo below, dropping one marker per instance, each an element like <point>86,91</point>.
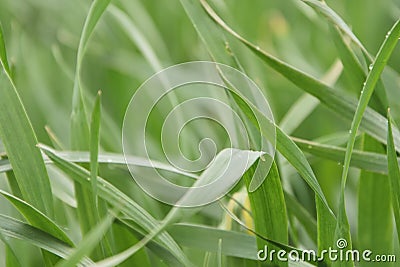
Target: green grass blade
<point>394,176</point>
<point>94,144</point>
<point>20,141</point>
<point>297,159</point>
<point>107,158</point>
<point>3,52</point>
<point>347,55</point>
<point>89,242</point>
<point>37,219</point>
<point>375,227</point>
<point>137,38</point>
<point>302,215</point>
<point>219,253</point>
<point>351,64</point>
<point>279,245</point>
<point>342,229</point>
<point>116,198</point>
<point>11,257</point>
<point>13,228</point>
<point>79,122</point>
<point>331,15</point>
<point>212,39</point>
<point>306,104</point>
<point>269,210</point>
<point>369,161</point>
<point>96,10</point>
<point>338,101</point>
<point>354,70</point>
<point>12,181</point>
<point>206,238</point>
<point>224,172</point>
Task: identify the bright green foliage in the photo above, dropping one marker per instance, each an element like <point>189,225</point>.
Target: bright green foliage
<point>328,69</point>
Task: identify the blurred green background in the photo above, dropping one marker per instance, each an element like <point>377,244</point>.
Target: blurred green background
<point>42,38</point>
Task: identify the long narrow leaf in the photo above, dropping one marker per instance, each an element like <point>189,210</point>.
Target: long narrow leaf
<point>116,198</point>
<point>394,176</point>
<point>13,228</point>
<point>37,219</point>
<point>88,243</point>
<point>338,101</point>
<point>20,141</point>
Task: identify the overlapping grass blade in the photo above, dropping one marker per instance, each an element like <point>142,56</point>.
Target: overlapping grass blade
<point>279,245</point>
<point>342,229</point>
<point>11,257</point>
<point>347,55</point>
<point>107,158</point>
<point>302,215</point>
<point>269,210</point>
<point>137,38</point>
<point>212,39</point>
<point>375,221</point>
<point>338,101</point>
<point>394,176</point>
<point>286,146</point>
<point>351,64</point>
<point>223,173</point>
<point>116,198</point>
<point>325,10</point>
<point>89,242</point>
<point>37,218</point>
<point>13,228</point>
<point>365,160</point>
<point>206,238</point>
<point>306,104</point>
<point>79,121</point>
<point>20,141</point>
<point>3,52</point>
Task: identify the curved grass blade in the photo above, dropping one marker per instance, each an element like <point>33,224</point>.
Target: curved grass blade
<point>206,238</point>
<point>279,245</point>
<point>269,210</point>
<point>394,176</point>
<point>79,121</point>
<point>13,228</point>
<point>338,101</point>
<point>331,15</point>
<point>347,54</point>
<point>106,158</point>
<point>369,161</point>
<point>286,146</point>
<point>212,39</point>
<point>342,229</point>
<point>11,257</point>
<point>20,141</point>
<point>306,104</point>
<point>118,199</point>
<point>302,215</point>
<point>3,52</point>
<point>89,242</point>
<point>37,219</point>
<point>296,157</point>
<point>230,161</point>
